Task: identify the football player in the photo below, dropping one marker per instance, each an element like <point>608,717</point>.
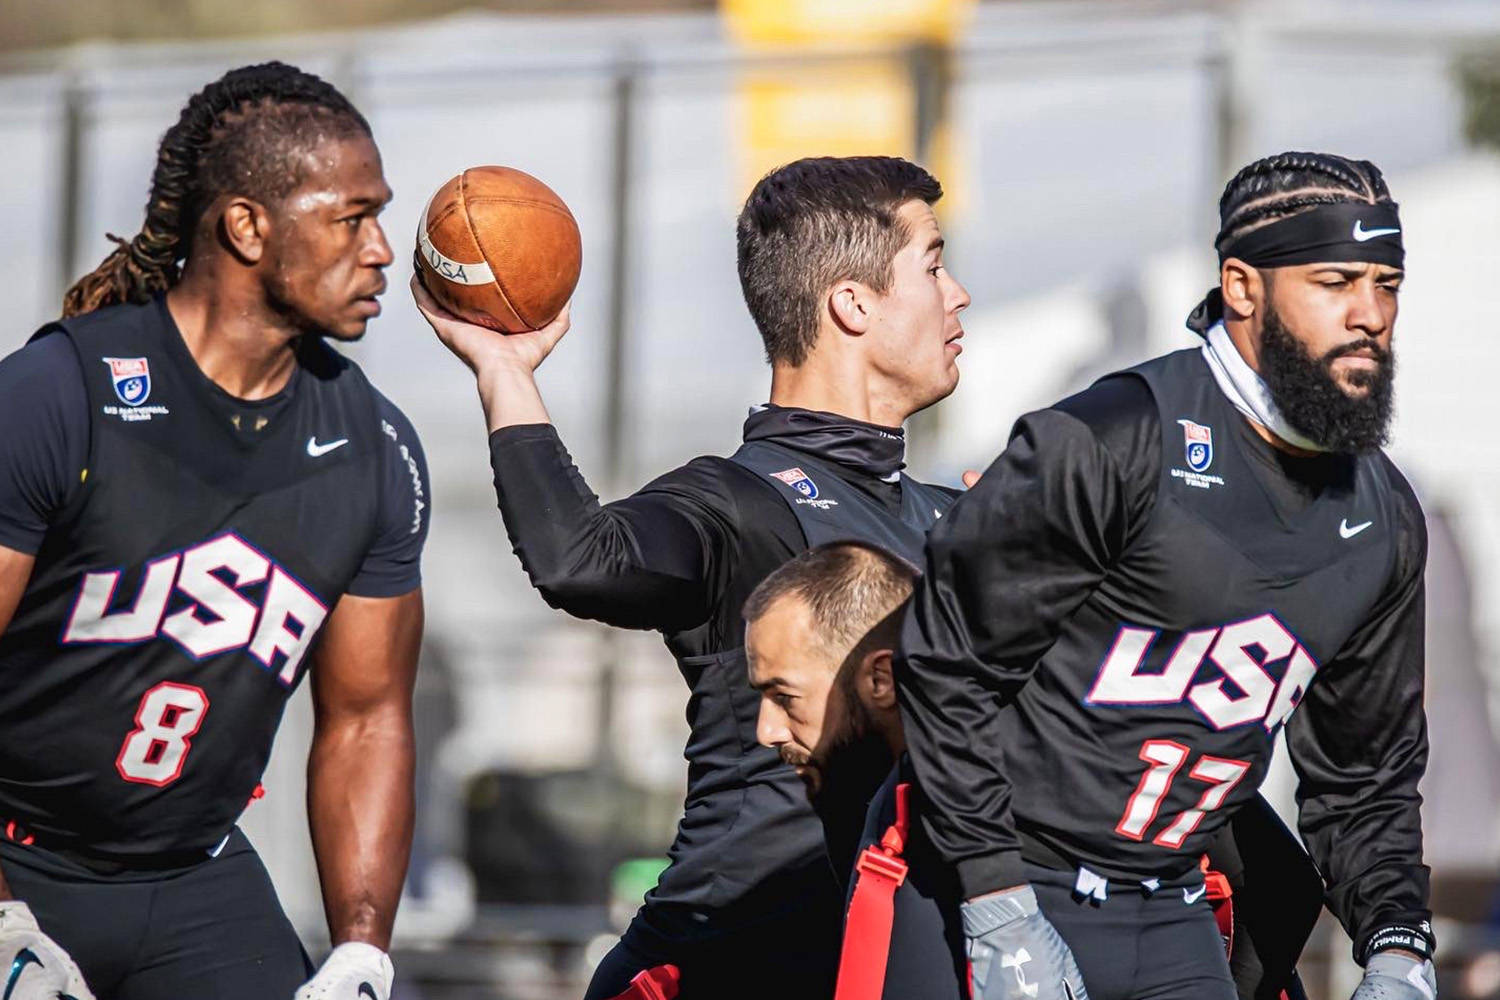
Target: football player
<point>201,501</point>
<point>1157,576</point>
<point>841,263</point>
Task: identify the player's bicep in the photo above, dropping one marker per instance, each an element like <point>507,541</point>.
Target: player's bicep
<point>366,659</point>
<point>15,572</point>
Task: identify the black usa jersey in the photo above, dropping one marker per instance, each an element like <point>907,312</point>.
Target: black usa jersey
<point>1158,705</point>
<point>176,598</point>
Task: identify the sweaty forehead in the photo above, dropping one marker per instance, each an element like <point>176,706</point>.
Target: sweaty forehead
<point>340,171</point>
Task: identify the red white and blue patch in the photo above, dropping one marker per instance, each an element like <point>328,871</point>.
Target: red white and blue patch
<point>1199,444</point>
<point>799,481</point>
<point>131,378</point>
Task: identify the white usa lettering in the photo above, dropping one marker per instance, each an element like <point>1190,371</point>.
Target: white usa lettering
<point>219,618</point>
<point>1241,651</point>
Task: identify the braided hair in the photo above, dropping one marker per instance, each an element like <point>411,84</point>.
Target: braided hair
<point>1288,183</point>
<point>241,134</point>
<point>1279,186</point>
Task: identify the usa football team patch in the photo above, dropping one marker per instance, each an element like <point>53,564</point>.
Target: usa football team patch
<point>1199,442</point>
<point>799,481</point>
<point>132,379</point>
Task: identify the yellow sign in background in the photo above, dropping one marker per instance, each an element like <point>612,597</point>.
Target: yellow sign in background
<point>798,22</point>
<point>848,85</point>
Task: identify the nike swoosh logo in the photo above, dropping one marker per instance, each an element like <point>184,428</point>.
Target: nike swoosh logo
<point>1345,531</point>
<point>366,990</point>
<point>1190,896</point>
<point>319,450</point>
<point>23,958</point>
<point>1361,233</point>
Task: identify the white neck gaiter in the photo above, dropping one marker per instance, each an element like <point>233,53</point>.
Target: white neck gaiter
<point>1247,390</point>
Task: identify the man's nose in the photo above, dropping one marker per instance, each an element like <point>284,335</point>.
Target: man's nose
<point>770,725</point>
<point>1366,313</point>
<point>959,301</point>
<point>378,249</point>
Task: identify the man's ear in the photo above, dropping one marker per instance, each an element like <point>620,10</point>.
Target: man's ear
<point>849,306</point>
<point>878,678</point>
<point>244,227</point>
<point>1242,287</point>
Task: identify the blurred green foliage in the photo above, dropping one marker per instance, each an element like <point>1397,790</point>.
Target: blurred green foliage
<point>1479,78</point>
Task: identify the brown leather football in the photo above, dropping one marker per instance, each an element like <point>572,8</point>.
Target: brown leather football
<point>498,247</point>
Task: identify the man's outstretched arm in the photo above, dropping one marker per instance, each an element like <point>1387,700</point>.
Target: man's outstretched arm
<point>648,561</point>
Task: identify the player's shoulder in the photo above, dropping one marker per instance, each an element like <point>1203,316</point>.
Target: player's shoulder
<point>48,361</point>
<point>1119,412</point>
<point>710,479</point>
<point>120,327</point>
<point>720,489</point>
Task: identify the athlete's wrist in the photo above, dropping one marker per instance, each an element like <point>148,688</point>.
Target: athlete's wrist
<point>1010,891</point>
<point>510,396</point>
<point>1415,938</point>
<point>987,873</point>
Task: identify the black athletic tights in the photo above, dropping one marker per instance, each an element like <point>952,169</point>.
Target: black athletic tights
<point>214,929</point>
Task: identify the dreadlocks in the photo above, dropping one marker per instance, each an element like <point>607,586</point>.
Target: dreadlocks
<point>239,135</point>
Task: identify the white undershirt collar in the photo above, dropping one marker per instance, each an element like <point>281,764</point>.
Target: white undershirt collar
<point>1247,390</point>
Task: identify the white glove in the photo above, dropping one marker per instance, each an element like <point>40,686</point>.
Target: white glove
<point>1015,953</point>
<point>1389,976</point>
<point>353,971</point>
<point>35,967</point>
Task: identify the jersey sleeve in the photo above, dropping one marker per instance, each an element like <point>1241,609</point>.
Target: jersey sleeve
<point>393,565</point>
<point>1004,568</point>
<point>44,448</point>
<point>1359,746</point>
<point>655,560</point>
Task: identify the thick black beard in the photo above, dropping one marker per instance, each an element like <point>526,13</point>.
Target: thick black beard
<point>853,750</point>
<point>1304,390</point>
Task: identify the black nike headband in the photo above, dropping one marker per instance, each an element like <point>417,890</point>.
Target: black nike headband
<point>1344,232</point>
<point>1347,231</point>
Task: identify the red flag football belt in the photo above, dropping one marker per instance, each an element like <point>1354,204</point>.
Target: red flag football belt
<point>867,930</point>
<point>881,871</point>
<point>658,983</point>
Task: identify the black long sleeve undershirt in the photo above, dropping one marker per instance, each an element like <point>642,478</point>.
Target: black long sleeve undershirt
<point>654,560</point>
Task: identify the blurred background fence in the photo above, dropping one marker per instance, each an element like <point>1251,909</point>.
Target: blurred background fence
<point>1082,145</point>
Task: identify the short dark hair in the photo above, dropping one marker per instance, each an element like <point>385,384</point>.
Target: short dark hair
<point>238,135</point>
<point>815,222</point>
<point>1275,187</point>
<point>850,588</point>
